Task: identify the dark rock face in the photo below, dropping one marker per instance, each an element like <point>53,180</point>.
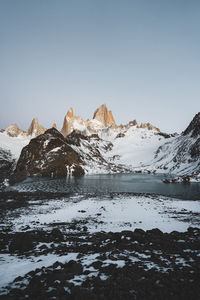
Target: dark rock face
<point>195,149</point>
<point>194,126</point>
<point>75,137</point>
<point>6,165</point>
<point>49,154</point>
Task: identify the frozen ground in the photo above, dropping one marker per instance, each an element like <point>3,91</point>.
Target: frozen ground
<point>112,213</point>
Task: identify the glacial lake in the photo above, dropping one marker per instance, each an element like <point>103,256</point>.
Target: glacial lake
<point>108,183</point>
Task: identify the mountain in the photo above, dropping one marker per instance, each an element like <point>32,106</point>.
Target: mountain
<point>104,116</point>
<point>181,154</point>
<point>14,131</point>
<point>52,155</point>
<point>72,122</point>
<point>34,129</point>
<point>99,145</point>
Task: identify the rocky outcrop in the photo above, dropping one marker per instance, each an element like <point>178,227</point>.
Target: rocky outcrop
<point>183,179</point>
<point>14,131</point>
<point>194,127</point>
<point>105,116</point>
<point>48,155</point>
<point>6,166</point>
<point>72,122</point>
<point>35,128</point>
<point>149,126</point>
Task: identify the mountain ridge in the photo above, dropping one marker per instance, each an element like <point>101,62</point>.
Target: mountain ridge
<point>101,146</point>
<point>102,120</point>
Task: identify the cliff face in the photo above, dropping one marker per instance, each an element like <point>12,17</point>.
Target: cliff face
<point>35,128</point>
<point>194,127</point>
<point>72,122</point>
<point>49,155</point>
<point>105,116</point>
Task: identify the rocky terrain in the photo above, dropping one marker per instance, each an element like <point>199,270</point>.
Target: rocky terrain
<point>71,258</point>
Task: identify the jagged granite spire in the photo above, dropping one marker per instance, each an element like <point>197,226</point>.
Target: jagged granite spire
<point>105,116</point>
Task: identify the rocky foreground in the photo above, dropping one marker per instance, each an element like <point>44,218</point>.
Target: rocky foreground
<point>66,260</point>
<point>123,265</point>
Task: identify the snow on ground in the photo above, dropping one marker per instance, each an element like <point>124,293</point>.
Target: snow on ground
<point>116,214</point>
<point>15,266</point>
<point>13,144</point>
<point>105,213</point>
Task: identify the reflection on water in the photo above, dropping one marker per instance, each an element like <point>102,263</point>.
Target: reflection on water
<point>138,183</point>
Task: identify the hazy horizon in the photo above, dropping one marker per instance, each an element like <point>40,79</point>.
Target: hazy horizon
<point>141,58</point>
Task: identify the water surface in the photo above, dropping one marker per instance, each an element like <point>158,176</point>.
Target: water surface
<point>120,183</point>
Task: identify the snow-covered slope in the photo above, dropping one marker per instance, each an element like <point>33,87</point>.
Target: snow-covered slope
<point>175,156</point>
<point>135,147</point>
<point>93,152</point>
<point>13,144</point>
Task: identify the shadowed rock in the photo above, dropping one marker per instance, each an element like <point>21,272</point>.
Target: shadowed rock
<point>194,126</point>
<point>47,155</point>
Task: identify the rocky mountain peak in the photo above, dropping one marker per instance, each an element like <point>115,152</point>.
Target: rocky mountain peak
<point>35,128</point>
<point>194,126</point>
<point>14,130</point>
<point>105,116</point>
<point>71,122</point>
<point>70,113</point>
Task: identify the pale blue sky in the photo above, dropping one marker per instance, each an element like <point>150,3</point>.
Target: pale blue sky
<point>140,57</point>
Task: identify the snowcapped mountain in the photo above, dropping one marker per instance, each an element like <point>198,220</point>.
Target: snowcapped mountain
<point>100,146</point>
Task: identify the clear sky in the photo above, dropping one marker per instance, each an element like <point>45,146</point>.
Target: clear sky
<point>141,57</point>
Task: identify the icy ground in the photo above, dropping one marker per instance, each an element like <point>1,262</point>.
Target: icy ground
<point>78,214</point>
<point>110,213</point>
